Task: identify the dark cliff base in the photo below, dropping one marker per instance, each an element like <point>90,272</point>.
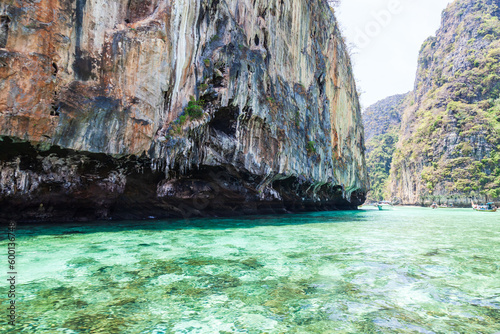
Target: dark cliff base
<point>56,185</point>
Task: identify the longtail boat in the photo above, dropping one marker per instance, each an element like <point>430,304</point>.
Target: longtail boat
<point>488,207</point>
<point>384,205</point>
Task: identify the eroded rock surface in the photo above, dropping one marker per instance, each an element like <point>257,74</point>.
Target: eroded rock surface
<point>95,124</point>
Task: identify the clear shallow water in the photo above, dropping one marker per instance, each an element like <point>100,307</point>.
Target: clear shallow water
<point>410,270</point>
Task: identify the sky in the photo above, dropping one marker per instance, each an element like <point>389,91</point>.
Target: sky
<point>385,37</point>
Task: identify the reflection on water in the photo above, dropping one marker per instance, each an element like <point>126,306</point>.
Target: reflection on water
<point>404,271</point>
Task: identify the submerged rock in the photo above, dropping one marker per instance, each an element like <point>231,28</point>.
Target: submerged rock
<point>171,109</point>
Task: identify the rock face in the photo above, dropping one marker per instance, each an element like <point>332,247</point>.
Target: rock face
<point>449,142</point>
<point>384,116</point>
<point>130,109</point>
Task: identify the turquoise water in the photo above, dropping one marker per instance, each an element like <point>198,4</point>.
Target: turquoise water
<point>410,270</point>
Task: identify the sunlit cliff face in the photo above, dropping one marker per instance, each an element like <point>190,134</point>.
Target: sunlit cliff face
<point>449,143</point>
<point>270,81</point>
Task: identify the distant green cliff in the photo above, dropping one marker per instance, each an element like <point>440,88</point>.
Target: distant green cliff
<point>448,146</point>
<point>382,122</point>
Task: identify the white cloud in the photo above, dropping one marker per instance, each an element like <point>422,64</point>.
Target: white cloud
<point>388,35</point>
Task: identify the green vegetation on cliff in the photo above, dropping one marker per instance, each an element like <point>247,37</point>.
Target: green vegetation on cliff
<point>452,139</point>
<point>382,122</point>
<point>449,138</point>
<point>378,162</point>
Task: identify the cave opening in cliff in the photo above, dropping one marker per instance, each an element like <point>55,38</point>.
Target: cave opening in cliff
<point>4,30</point>
<point>55,110</point>
<point>225,120</point>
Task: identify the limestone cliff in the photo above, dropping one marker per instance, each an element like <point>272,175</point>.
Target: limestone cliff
<point>382,123</point>
<point>129,109</point>
<point>384,116</point>
<point>449,143</point>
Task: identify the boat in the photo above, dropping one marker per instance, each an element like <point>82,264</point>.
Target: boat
<point>434,205</point>
<point>488,207</point>
<point>384,205</point>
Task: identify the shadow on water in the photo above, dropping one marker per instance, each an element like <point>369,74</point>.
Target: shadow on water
<point>31,229</point>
